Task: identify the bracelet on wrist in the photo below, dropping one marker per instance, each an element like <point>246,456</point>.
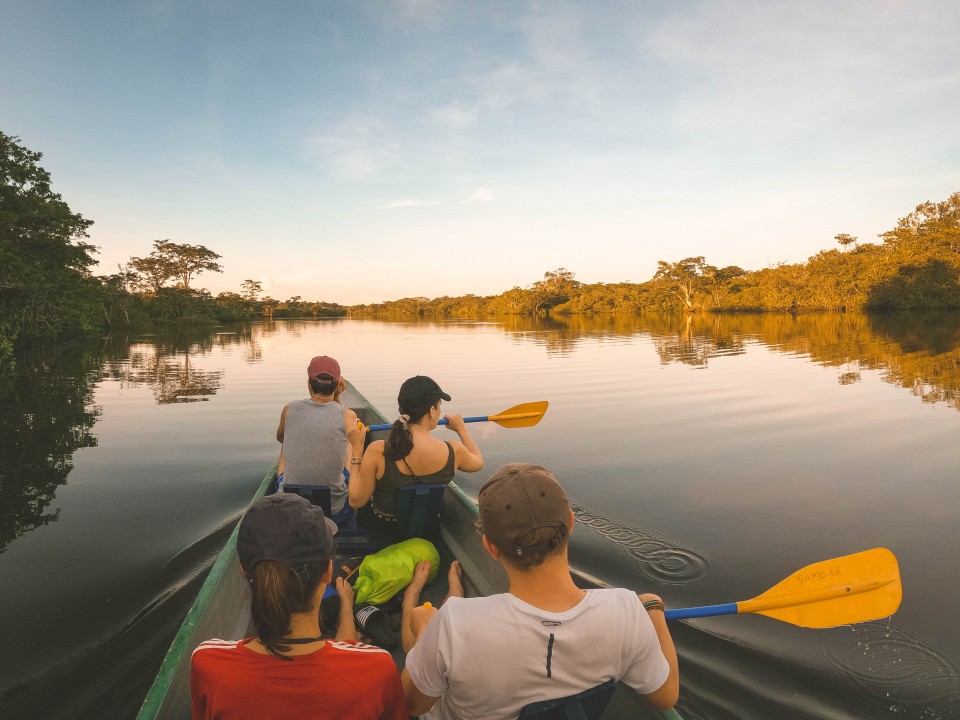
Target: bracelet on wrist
<point>356,460</point>
<point>653,605</point>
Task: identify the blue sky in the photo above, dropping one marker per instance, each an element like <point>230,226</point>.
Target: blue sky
<point>364,151</point>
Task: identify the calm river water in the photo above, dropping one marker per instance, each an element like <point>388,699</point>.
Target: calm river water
<point>708,458</point>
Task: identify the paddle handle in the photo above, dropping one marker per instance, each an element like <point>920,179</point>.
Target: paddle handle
<point>705,611</point>
<point>442,421</point>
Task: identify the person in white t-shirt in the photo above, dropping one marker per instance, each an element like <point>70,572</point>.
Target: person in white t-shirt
<point>545,638</point>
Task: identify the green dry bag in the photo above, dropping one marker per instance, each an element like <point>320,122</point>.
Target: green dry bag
<point>385,573</point>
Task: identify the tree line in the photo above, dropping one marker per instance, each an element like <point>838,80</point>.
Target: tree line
<point>156,289</point>
<point>915,267</point>
<point>48,289</point>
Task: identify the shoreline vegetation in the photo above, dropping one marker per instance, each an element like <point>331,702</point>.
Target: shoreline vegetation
<point>47,289</point>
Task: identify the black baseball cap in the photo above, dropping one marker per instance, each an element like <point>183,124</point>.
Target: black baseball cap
<point>285,528</point>
<point>419,391</point>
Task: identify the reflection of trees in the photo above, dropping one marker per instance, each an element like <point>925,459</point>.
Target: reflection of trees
<point>693,339</point>
<point>918,353</point>
<point>172,377</point>
<point>246,338</point>
<point>47,414</point>
<point>556,336</point>
<point>927,361</point>
<point>166,364</point>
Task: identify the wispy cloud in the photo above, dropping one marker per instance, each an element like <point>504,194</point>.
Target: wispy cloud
<point>766,72</point>
<point>456,114</point>
<point>480,195</point>
<point>408,203</point>
<point>551,66</point>
<point>356,148</point>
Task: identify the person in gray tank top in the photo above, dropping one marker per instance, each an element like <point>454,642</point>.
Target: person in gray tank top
<point>321,439</point>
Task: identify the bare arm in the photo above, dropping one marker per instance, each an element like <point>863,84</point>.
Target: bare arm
<point>666,696</point>
<point>417,702</point>
<point>371,469</point>
<point>346,625</point>
<point>356,433</point>
<point>468,457</point>
<point>283,421</point>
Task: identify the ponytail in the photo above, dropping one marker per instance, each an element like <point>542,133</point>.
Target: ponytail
<point>400,441</point>
<point>277,591</point>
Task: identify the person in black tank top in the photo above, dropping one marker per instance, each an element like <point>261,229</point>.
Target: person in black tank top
<point>410,454</point>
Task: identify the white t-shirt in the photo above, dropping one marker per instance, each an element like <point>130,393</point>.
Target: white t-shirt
<point>488,657</point>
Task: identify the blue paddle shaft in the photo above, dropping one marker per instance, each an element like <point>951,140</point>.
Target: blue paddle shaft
<point>442,421</point>
<point>705,611</point>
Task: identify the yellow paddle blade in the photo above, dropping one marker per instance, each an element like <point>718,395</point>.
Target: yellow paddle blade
<point>849,589</point>
<point>523,415</point>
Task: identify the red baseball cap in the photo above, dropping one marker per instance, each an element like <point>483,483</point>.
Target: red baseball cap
<point>324,365</point>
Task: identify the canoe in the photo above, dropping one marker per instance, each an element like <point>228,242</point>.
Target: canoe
<point>222,609</point>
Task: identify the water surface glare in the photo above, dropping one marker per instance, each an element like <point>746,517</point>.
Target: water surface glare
<point>707,458</point>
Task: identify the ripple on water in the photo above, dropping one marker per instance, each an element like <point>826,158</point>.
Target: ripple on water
<point>656,555</point>
<point>892,667</point>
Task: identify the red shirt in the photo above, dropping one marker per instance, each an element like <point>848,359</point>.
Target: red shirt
<point>342,680</point>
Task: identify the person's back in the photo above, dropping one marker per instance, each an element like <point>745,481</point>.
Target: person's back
<point>544,639</point>
<point>531,654</point>
<point>341,680</point>
<point>410,455</point>
<point>321,439</point>
<point>314,446</point>
<point>288,670</point>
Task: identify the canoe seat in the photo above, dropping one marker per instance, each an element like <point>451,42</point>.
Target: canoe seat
<point>419,506</point>
<point>316,494</point>
<point>586,705</point>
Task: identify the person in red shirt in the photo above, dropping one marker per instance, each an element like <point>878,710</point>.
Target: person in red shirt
<point>285,546</point>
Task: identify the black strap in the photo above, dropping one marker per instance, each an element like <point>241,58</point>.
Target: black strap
<point>298,641</point>
<point>415,478</point>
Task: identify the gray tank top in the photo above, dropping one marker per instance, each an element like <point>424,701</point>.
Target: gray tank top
<point>314,445</point>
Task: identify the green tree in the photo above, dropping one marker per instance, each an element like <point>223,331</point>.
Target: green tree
<point>45,283</point>
<point>118,296</point>
<point>557,287</point>
<point>931,230</point>
<point>845,240</point>
<point>251,290</point>
<point>267,306</point>
<point>173,261</point>
<point>685,280</point>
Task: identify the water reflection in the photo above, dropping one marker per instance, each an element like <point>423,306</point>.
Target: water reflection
<point>48,411</point>
<point>918,353</point>
<point>47,397</point>
<point>164,364</point>
<point>691,341</point>
<point>47,415</point>
<point>167,362</point>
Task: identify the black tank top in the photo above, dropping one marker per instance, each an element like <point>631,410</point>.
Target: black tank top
<point>385,492</point>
